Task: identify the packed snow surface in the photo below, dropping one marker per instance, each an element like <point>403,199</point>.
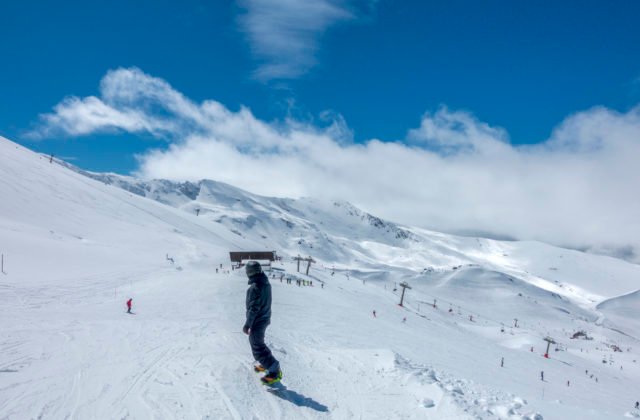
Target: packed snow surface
<point>76,246</point>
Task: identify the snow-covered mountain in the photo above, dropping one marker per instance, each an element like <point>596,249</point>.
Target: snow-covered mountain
<point>344,236</point>
<point>76,245</point>
<point>293,226</point>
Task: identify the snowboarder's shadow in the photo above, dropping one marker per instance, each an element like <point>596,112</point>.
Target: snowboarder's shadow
<point>281,391</point>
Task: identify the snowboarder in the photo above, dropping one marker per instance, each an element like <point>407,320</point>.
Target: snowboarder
<point>129,305</point>
<point>374,313</point>
<point>258,305</point>
<point>637,404</point>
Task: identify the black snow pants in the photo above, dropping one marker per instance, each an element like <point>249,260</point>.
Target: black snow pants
<point>260,350</point>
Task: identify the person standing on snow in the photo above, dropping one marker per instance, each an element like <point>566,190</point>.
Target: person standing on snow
<point>129,305</point>
<point>258,304</point>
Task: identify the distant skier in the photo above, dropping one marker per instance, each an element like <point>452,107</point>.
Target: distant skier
<point>502,362</point>
<point>258,305</point>
<point>129,305</point>
<point>374,313</point>
<point>637,405</point>
<point>542,375</point>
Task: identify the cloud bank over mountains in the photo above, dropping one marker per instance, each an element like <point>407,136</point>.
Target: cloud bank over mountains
<point>452,172</point>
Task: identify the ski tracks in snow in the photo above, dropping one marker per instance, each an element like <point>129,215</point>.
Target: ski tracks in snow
<point>380,384</point>
<point>477,402</point>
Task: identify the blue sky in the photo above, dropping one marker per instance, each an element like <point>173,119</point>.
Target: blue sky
<point>523,66</point>
<point>517,118</point>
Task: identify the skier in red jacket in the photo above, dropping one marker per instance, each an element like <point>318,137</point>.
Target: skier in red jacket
<point>129,305</point>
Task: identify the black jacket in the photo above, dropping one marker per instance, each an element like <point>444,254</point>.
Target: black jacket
<point>258,301</point>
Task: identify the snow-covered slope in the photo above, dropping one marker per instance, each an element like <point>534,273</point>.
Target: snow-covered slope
<point>76,248</point>
<point>623,312</point>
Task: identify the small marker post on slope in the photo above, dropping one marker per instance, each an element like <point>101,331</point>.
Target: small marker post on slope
<point>2,264</point>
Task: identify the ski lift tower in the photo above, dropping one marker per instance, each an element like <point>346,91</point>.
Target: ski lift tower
<point>309,260</point>
<point>549,341</point>
<point>404,286</point>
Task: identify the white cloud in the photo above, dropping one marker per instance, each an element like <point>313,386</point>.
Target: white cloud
<point>458,132</point>
<point>76,117</point>
<point>284,34</point>
<point>454,172</point>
